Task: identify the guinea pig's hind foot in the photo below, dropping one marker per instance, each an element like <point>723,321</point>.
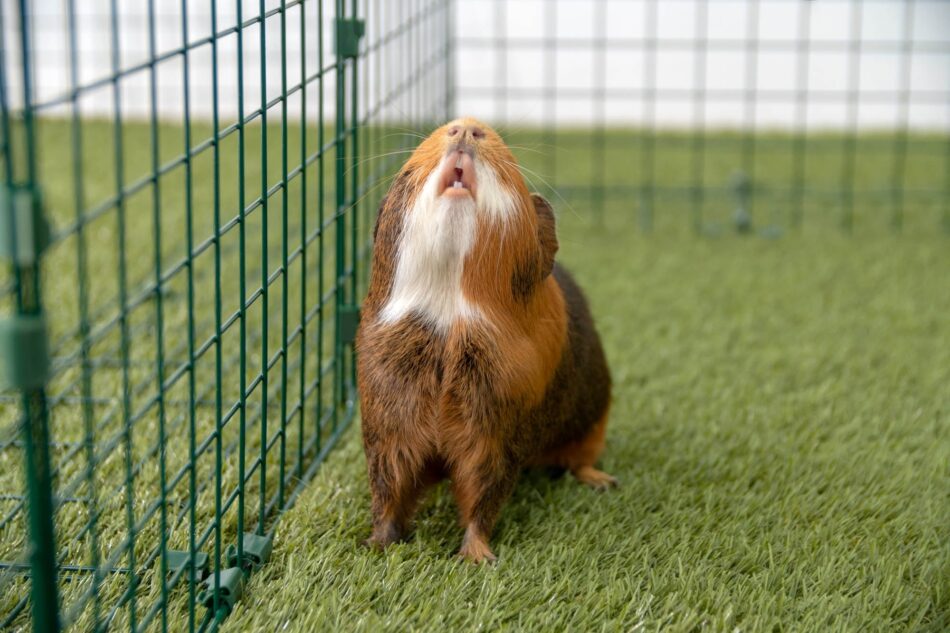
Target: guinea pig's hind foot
<point>596,479</point>
<point>475,548</point>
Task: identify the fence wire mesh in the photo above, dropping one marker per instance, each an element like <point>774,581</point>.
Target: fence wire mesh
<point>209,216</point>
<point>210,173</point>
<point>709,115</point>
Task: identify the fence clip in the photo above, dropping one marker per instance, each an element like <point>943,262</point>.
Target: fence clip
<point>24,231</point>
<point>256,550</point>
<point>348,34</point>
<point>179,561</point>
<point>742,189</point>
<point>24,352</point>
<point>228,591</point>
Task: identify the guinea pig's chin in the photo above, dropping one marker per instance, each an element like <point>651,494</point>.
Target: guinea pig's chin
<point>460,194</point>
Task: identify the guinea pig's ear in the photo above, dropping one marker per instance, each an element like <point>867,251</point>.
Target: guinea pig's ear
<point>547,233</point>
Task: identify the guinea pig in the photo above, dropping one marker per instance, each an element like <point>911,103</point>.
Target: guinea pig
<point>476,352</point>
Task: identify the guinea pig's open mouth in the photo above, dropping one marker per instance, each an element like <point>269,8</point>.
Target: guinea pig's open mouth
<point>458,175</point>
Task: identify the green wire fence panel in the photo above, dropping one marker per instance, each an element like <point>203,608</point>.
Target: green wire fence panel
<point>706,115</point>
<point>186,203</point>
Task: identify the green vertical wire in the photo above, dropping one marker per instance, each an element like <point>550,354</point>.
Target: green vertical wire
<point>900,137</point>
<point>550,83</point>
<point>285,211</point>
<point>377,132</point>
<point>850,137</point>
<point>501,64</point>
<point>450,95</point>
<point>159,316</point>
<point>340,222</point>
<point>6,149</point>
<point>302,386</point>
<point>36,414</point>
<point>699,112</point>
<point>799,146</point>
<point>946,186</point>
<point>242,283</point>
<point>321,193</point>
<point>123,308</point>
<point>599,140</point>
<point>218,400</point>
<point>265,293</point>
<point>408,57</point>
<point>189,246</point>
<point>368,139</point>
<point>82,273</point>
<point>751,100</point>
<point>354,193</point>
<point>647,157</point>
<point>416,109</point>
<point>27,115</point>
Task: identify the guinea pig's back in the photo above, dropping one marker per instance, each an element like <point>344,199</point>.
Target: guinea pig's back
<point>586,349</point>
<point>579,395</point>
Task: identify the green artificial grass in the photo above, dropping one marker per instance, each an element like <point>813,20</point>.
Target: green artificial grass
<point>780,431</point>
<point>780,419</point>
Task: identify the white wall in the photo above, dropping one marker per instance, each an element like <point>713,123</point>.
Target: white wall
<point>855,48</point>
<point>502,66</point>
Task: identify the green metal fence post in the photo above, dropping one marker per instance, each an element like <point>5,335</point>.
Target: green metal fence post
<point>25,345</point>
<point>348,34</point>
<point>351,315</point>
<point>342,45</point>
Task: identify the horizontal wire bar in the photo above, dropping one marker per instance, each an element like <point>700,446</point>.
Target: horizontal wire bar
<point>689,44</point>
<point>691,94</point>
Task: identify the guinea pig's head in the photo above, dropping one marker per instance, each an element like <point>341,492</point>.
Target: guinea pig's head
<point>459,225</point>
<point>465,161</point>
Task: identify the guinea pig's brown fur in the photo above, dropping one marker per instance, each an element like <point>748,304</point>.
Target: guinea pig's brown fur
<point>476,354</point>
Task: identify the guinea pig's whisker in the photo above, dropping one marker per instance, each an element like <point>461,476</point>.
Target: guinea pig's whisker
<point>382,181</point>
<point>526,149</point>
<point>377,156</point>
<point>545,183</point>
<point>406,133</point>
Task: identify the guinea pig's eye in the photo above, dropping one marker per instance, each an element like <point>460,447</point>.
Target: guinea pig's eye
<point>453,131</point>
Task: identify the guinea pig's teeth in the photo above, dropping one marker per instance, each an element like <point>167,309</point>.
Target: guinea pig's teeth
<point>458,164</point>
<point>457,185</point>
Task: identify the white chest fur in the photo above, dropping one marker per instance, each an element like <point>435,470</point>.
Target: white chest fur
<point>437,235</point>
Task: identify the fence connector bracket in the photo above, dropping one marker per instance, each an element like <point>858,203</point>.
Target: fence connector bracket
<point>742,188</point>
<point>348,34</point>
<point>228,591</point>
<point>256,550</point>
<point>24,352</point>
<point>349,323</point>
<point>24,231</point>
<point>180,561</point>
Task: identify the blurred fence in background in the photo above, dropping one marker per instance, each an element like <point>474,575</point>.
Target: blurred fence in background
<point>717,114</point>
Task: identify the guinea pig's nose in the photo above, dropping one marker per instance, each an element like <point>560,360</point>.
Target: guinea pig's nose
<point>474,132</point>
<point>467,133</point>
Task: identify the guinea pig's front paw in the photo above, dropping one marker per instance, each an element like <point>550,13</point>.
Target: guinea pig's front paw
<point>596,479</point>
<point>383,536</point>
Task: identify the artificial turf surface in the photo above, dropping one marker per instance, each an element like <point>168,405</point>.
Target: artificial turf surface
<point>781,417</point>
<point>780,431</point>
